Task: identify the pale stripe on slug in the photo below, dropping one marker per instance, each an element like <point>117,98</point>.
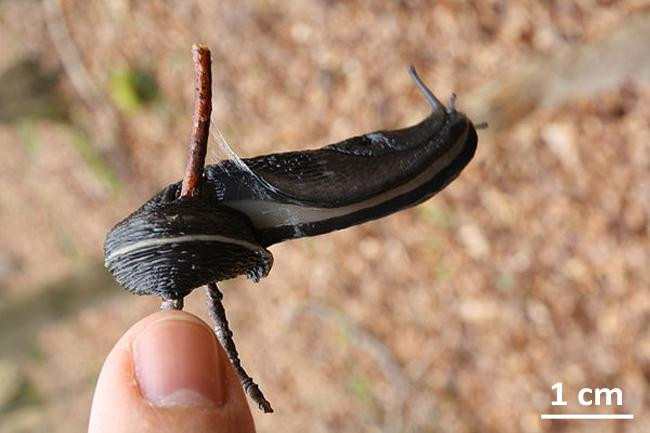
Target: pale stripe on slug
<point>268,214</point>
<point>157,242</point>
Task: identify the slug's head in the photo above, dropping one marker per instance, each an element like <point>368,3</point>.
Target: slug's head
<point>441,117</point>
<point>170,246</point>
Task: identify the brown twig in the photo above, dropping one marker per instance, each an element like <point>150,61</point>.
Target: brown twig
<point>224,335</point>
<point>199,139</point>
<point>200,119</point>
<point>190,187</point>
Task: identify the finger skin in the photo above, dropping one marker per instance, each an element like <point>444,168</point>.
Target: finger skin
<point>119,406</point>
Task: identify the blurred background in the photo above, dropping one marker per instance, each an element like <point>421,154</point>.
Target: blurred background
<point>459,315</point>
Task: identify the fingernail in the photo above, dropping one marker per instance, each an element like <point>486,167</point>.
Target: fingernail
<point>177,364</point>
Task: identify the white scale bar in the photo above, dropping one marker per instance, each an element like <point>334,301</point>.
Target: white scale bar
<point>587,416</point>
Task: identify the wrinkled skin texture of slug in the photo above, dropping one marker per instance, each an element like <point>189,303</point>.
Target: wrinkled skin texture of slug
<point>173,269</point>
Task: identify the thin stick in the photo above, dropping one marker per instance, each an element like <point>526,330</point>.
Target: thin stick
<point>190,187</point>
<point>200,119</point>
<point>224,335</point>
<point>199,139</point>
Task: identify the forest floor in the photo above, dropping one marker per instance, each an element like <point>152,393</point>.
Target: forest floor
<point>532,268</point>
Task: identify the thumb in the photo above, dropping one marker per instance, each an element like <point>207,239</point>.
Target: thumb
<point>168,373</point>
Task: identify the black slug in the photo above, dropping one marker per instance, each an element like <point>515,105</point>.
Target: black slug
<point>170,246</point>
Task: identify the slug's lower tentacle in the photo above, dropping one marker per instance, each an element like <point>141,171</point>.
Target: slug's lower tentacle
<point>451,105</point>
<point>224,335</point>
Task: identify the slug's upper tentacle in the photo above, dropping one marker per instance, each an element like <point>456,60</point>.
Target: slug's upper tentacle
<point>435,102</point>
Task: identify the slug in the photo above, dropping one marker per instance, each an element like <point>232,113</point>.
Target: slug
<point>171,245</point>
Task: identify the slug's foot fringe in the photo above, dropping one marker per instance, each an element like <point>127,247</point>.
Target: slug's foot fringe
<point>224,335</point>
<point>263,267</point>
